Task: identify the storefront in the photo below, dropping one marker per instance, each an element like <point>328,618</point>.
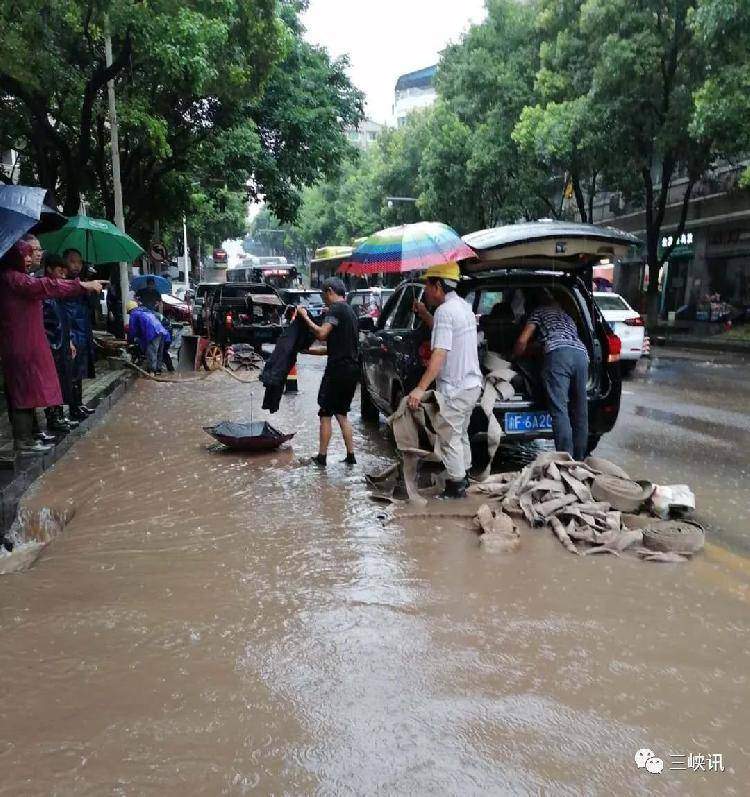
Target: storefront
<point>728,264</point>
<point>676,272</point>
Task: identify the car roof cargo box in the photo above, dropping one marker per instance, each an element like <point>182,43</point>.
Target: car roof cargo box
<point>546,244</point>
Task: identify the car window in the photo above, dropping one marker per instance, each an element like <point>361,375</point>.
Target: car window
<point>388,310</point>
<point>357,299</point>
<point>611,302</point>
<point>487,300</point>
<point>403,317</point>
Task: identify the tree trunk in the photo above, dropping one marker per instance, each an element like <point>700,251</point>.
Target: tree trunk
<point>193,254</point>
<point>654,266</point>
<point>580,198</point>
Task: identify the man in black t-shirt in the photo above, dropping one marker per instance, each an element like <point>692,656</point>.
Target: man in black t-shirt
<point>340,331</point>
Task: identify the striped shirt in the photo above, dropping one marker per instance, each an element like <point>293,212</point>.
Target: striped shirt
<point>556,329</point>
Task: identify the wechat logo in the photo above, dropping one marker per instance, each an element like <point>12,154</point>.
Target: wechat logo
<point>648,760</point>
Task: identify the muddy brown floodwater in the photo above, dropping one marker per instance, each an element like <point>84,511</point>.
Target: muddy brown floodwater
<point>219,624</point>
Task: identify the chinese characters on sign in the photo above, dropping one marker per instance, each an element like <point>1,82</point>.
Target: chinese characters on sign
<point>686,239</point>
<point>698,762</point>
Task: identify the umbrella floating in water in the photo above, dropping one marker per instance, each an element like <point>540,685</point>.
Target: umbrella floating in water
<point>410,247</point>
<point>253,436</point>
<point>22,210</point>
<point>98,241</point>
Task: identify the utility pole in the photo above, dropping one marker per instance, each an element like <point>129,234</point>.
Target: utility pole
<point>116,182</point>
<point>185,253</point>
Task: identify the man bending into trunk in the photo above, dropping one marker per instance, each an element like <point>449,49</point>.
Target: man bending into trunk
<point>565,372</point>
<point>340,331</point>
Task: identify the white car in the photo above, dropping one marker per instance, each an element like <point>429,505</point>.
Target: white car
<point>626,323</point>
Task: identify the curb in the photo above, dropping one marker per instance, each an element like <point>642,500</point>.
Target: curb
<point>30,468</point>
<point>703,344</point>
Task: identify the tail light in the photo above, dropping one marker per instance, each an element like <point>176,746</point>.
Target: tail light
<point>614,347</point>
<point>633,322</point>
<point>228,321</point>
<point>425,352</point>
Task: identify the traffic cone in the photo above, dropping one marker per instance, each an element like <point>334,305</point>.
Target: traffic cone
<point>291,380</point>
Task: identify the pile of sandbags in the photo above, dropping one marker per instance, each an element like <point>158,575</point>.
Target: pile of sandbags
<point>591,507</point>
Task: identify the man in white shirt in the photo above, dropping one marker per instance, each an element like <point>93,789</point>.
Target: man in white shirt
<point>454,366</point>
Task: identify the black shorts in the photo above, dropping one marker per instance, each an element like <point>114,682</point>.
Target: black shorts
<point>337,390</point>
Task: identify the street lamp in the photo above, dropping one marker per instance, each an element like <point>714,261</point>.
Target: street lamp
<point>391,200</point>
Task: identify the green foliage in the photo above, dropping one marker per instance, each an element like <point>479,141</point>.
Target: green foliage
<point>722,103</point>
<point>581,95</point>
<point>486,80</point>
<point>216,101</point>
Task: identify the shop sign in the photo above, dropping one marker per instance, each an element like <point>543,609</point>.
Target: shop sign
<point>683,245</point>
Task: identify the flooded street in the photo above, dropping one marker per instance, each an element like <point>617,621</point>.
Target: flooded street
<point>223,624</point>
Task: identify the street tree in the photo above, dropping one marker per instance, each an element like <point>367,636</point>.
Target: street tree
<point>486,80</point>
<point>560,129</point>
<point>217,102</point>
<point>722,103</point>
<point>445,178</point>
<point>648,65</point>
<point>53,80</point>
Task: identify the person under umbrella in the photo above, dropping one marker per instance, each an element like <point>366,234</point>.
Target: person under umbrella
<point>57,327</point>
<point>36,251</point>
<point>148,295</point>
<point>30,376</point>
<point>145,329</point>
<point>79,315</point>
<point>454,367</point>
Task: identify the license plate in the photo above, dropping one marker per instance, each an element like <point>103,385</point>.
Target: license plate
<point>523,422</point>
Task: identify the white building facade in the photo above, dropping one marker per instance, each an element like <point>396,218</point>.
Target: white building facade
<point>414,92</point>
<point>365,135</point>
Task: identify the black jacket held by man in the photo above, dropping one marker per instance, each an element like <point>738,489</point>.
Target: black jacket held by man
<point>295,338</point>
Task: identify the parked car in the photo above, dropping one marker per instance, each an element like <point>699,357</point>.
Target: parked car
<point>309,298</point>
<point>243,313</point>
<point>199,299</point>
<point>627,324</point>
<point>369,301</point>
<point>175,309</point>
<point>512,261</point>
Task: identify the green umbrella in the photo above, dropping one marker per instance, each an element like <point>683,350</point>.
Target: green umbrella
<point>98,241</point>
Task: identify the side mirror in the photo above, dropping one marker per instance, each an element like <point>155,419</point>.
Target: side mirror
<point>366,324</point>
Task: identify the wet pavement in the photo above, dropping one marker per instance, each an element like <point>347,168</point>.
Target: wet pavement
<point>218,624</point>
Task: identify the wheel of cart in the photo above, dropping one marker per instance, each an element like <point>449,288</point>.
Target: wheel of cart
<point>213,357</point>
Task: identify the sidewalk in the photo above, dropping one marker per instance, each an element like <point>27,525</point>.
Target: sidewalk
<point>17,472</point>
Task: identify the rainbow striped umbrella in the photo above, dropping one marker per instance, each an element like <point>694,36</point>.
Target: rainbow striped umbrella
<point>410,247</point>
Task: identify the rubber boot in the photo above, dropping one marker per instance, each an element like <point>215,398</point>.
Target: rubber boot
<point>454,489</point>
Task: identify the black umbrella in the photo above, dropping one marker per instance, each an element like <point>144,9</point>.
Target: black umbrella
<point>22,209</point>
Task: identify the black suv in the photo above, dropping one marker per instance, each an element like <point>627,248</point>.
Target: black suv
<point>309,298</point>
<point>499,287</point>
<point>243,313</point>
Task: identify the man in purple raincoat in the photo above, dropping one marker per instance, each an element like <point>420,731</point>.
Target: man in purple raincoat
<point>145,329</point>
